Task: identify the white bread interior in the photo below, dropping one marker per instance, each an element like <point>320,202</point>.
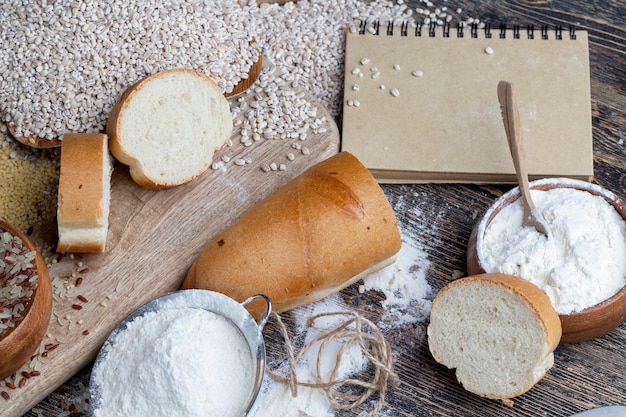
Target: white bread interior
<point>319,233</point>
<point>84,195</point>
<point>167,127</point>
<point>498,331</point>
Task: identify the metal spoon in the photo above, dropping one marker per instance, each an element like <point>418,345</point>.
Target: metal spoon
<point>512,126</point>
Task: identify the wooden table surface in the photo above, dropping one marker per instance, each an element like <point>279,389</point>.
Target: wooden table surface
<point>585,375</point>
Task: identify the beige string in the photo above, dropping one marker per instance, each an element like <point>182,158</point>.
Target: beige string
<point>354,330</point>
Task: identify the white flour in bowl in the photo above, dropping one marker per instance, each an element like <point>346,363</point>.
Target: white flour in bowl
<point>180,361</point>
<point>582,264</point>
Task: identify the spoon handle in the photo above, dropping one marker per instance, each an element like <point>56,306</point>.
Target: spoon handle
<point>512,127</point>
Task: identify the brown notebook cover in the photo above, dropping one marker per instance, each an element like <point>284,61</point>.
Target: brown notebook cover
<point>444,122</point>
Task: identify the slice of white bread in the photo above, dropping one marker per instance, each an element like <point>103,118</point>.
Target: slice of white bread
<point>84,193</point>
<point>167,127</point>
<point>498,331</point>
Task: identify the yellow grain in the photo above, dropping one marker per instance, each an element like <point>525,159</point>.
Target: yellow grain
<point>28,183</point>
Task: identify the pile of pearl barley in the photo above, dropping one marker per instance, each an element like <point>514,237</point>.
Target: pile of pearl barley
<point>63,63</point>
<point>117,43</point>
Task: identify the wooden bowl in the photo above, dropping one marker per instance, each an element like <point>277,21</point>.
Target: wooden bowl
<point>20,342</point>
<point>253,75</point>
<point>589,323</point>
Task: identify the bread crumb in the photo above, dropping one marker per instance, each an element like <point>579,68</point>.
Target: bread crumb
<point>457,274</point>
<point>508,402</point>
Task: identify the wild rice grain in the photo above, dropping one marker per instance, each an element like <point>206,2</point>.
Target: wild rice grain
<point>18,280</point>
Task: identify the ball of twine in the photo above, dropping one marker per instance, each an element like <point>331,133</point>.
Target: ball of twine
<point>353,330</point>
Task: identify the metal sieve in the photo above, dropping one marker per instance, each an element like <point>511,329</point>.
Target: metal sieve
<point>214,302</point>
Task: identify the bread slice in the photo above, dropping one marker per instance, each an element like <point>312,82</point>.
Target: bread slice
<point>167,127</point>
<point>84,193</point>
<point>498,331</point>
<point>314,236</point>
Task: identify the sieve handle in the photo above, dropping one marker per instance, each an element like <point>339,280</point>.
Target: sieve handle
<point>265,316</point>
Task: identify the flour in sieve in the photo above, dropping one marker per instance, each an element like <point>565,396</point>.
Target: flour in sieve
<point>187,361</point>
<point>582,264</point>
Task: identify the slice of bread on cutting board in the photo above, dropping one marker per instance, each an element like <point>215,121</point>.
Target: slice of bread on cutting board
<point>167,127</point>
<point>314,236</point>
<point>84,193</point>
<point>498,331</point>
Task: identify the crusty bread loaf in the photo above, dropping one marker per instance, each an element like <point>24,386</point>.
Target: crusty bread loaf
<point>84,193</point>
<point>167,127</point>
<point>314,236</point>
<point>498,331</point>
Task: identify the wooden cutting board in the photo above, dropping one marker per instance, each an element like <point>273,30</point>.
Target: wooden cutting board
<point>154,237</point>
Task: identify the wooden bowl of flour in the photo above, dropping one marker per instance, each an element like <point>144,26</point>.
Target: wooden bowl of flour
<point>31,305</point>
<point>582,324</point>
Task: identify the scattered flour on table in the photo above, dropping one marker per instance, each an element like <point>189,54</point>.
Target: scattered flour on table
<point>275,398</point>
<point>404,285</point>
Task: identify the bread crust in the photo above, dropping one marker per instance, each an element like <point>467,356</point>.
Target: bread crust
<point>312,237</point>
<point>116,142</point>
<point>83,199</point>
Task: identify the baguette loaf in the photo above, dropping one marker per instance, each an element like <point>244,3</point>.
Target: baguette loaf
<point>319,233</point>
<point>84,193</point>
<point>498,331</point>
<point>167,127</point>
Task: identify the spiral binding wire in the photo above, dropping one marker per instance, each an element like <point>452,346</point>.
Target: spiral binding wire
<point>503,30</point>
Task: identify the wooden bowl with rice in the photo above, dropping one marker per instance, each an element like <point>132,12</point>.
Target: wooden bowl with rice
<point>25,299</point>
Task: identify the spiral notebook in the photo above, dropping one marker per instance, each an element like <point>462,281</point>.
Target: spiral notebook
<point>420,103</point>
